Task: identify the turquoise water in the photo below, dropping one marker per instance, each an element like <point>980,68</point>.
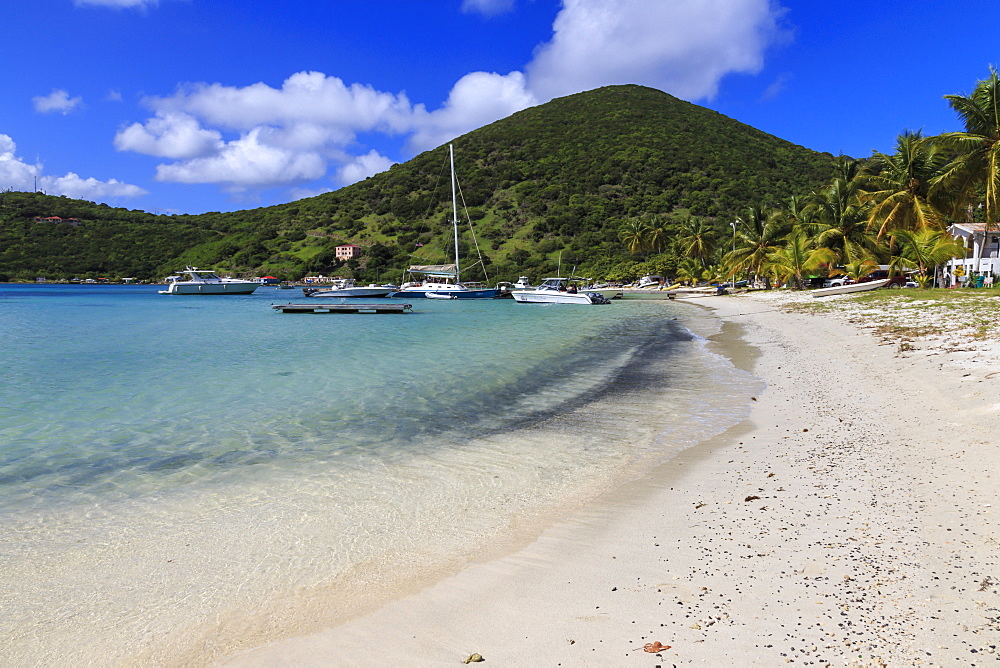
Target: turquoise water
<point>186,476</point>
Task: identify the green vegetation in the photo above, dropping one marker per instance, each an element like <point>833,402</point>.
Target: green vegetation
<point>101,242</point>
<point>616,183</point>
<point>889,209</point>
<point>555,181</point>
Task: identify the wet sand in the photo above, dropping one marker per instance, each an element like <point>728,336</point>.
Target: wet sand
<point>850,520</point>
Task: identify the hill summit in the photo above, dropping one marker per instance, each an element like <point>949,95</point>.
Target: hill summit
<point>558,178</point>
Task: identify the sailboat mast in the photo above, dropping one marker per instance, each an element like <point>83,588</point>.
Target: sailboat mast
<point>454,210</point>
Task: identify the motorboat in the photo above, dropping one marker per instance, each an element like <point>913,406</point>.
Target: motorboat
<point>606,291</point>
<point>848,288</point>
<point>439,295</point>
<point>444,279</point>
<point>522,284</point>
<point>344,287</point>
<point>194,281</point>
<point>650,281</point>
<point>558,291</point>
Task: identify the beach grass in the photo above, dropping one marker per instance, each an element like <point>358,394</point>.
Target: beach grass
<point>935,317</point>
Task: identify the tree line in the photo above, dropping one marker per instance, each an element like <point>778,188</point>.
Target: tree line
<point>890,209</point>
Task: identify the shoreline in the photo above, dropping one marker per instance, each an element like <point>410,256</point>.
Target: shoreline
<point>850,520</point>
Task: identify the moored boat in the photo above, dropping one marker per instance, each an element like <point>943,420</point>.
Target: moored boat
<point>558,291</point>
<point>444,278</point>
<point>206,282</point>
<point>344,287</point>
<point>522,284</point>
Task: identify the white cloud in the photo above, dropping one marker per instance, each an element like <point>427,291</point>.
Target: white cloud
<point>19,175</point>
<point>169,135</point>
<point>683,47</point>
<point>72,185</point>
<point>487,7</point>
<point>311,98</point>
<point>279,136</point>
<point>260,136</point>
<point>56,101</point>
<point>252,161</point>
<point>476,100</point>
<point>303,193</point>
<point>14,172</point>
<point>362,167</point>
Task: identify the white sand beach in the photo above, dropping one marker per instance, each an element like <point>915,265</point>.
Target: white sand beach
<point>853,519</point>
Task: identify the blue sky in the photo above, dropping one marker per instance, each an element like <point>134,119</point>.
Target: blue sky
<point>189,106</point>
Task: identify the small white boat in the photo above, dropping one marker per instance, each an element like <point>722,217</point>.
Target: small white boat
<point>522,284</point>
<point>205,282</point>
<point>439,295</point>
<point>344,287</point>
<point>845,289</point>
<point>557,291</point>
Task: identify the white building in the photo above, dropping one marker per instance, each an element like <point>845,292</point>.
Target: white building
<point>983,251</point>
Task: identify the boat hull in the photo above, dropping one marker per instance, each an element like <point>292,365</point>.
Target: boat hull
<point>550,297</point>
<point>847,289</point>
<point>347,293</point>
<point>490,293</point>
<point>233,288</point>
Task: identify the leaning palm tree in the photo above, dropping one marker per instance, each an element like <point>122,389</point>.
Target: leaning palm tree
<point>897,186</point>
<point>924,250</point>
<point>973,177</point>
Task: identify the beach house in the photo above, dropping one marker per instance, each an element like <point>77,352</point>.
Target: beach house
<point>982,257</point>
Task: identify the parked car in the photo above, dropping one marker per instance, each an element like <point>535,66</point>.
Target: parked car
<point>895,282</point>
<point>837,281</point>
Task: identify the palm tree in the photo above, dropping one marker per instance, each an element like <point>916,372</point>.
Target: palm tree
<point>897,186</point>
<point>924,250</point>
<point>974,175</point>
<point>634,233</point>
<point>796,257</point>
<point>838,220</point>
<point>690,270</point>
<point>698,239</point>
<point>657,236</point>
<point>859,268</point>
<point>759,233</point>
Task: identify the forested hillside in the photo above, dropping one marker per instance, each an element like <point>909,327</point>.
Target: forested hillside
<point>557,180</point>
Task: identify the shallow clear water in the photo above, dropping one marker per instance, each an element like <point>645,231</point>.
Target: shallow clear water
<point>184,475</point>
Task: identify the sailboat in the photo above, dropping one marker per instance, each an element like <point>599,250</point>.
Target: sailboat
<point>443,281</point>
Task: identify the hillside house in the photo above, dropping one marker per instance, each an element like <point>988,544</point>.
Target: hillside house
<point>56,219</point>
<point>348,252</point>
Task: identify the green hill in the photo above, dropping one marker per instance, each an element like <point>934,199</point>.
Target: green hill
<point>556,179</point>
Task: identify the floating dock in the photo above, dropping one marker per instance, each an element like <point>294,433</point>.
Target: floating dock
<point>343,308</point>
